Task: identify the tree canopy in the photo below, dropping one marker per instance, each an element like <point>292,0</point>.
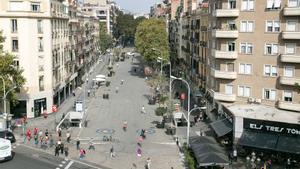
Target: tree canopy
<point>105,39</point>
<point>12,75</point>
<point>151,39</point>
<point>126,27</point>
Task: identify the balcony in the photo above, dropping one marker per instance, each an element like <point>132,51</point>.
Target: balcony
<point>290,35</point>
<point>225,33</point>
<point>224,97</point>
<point>226,13</point>
<point>218,54</point>
<point>291,81</point>
<point>290,58</point>
<point>291,11</point>
<point>289,106</point>
<point>223,74</point>
<point>73,20</point>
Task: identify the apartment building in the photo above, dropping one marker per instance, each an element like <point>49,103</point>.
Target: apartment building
<point>46,38</point>
<point>248,62</point>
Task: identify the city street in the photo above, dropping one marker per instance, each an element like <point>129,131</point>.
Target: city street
<point>29,158</point>
<point>106,116</point>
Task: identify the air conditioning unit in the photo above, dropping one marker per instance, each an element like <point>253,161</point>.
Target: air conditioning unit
<point>258,101</point>
<point>251,100</point>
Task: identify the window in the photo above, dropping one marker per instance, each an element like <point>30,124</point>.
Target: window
<point>293,3</point>
<point>16,6</point>
<point>287,96</point>
<point>245,68</point>
<point>41,83</point>
<point>271,49</point>
<point>40,44</point>
<point>231,25</point>
<point>15,45</point>
<point>232,4</point>
<point>272,26</point>
<point>247,5</point>
<point>231,46</point>
<point>247,26</point>
<point>269,94</point>
<point>16,63</point>
<point>273,4</point>
<point>230,67</point>
<point>288,71</point>
<point>246,48</point>
<point>35,7</point>
<point>40,26</point>
<point>270,70</point>
<point>290,48</point>
<point>291,26</point>
<point>14,25</point>
<point>228,89</point>
<point>244,91</point>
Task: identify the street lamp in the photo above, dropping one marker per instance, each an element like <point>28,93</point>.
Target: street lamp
<point>4,99</point>
<point>189,94</point>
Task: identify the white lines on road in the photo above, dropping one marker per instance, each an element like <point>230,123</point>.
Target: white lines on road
<point>69,165</point>
<point>165,143</point>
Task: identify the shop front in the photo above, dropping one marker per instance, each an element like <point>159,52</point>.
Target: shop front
<point>277,141</point>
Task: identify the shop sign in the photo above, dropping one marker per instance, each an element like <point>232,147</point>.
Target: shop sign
<point>270,126</point>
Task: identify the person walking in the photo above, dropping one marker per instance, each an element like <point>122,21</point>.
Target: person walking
<point>78,144</point>
<point>139,152</point>
<point>28,135</point>
<point>81,153</point>
<point>143,109</point>
<point>35,131</point>
<point>122,82</point>
<point>148,162</point>
<point>66,149</point>
<point>59,133</point>
<point>62,148</point>
<point>51,141</point>
<point>112,153</point>
<point>117,89</point>
<point>91,146</point>
<point>46,133</point>
<point>36,140</point>
<point>68,135</point>
<point>56,150</point>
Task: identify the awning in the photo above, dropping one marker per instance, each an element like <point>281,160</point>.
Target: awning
<point>207,151</point>
<point>258,140</point>
<point>288,144</point>
<point>221,127</point>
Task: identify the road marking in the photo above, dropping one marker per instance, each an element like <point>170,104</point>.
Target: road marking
<point>60,165</point>
<point>165,143</point>
<point>63,162</point>
<point>57,168</point>
<point>69,165</point>
<point>80,162</point>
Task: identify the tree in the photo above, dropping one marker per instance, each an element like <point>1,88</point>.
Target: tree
<point>126,27</point>
<point>151,40</point>
<point>106,40</point>
<point>11,74</point>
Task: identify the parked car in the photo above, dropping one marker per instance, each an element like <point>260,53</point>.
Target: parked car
<point>8,135</point>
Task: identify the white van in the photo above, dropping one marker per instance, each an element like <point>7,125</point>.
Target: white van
<point>5,150</point>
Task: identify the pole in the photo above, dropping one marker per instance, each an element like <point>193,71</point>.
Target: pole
<point>170,85</point>
<point>188,127</point>
<point>4,99</point>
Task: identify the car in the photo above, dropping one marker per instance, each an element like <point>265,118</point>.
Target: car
<point>8,135</point>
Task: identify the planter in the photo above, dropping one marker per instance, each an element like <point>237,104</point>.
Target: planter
<point>160,111</point>
<point>107,83</point>
<point>167,119</point>
<point>171,130</point>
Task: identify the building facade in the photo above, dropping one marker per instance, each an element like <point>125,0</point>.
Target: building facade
<point>47,39</point>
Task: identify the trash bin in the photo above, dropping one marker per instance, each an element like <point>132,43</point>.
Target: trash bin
<point>173,131</point>
<point>168,131</point>
<point>85,123</point>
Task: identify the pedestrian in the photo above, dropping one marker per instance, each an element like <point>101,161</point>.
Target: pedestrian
<point>28,134</point>
<point>73,92</point>
<point>56,150</point>
<point>78,144</point>
<point>139,152</point>
<point>112,153</point>
<point>46,133</point>
<point>35,131</point>
<point>81,153</point>
<point>91,146</point>
<point>122,81</point>
<point>89,93</point>
<point>177,141</point>
<point>68,135</point>
<point>62,148</point>
<point>143,109</point>
<point>117,89</point>
<point>59,133</point>
<point>40,133</point>
<point>66,151</point>
<point>36,140</point>
<point>148,162</point>
<point>234,154</point>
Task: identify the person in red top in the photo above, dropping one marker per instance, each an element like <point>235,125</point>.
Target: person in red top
<point>28,134</point>
<point>35,131</point>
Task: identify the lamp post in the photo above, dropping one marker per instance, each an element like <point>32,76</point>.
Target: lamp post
<point>189,94</point>
<point>4,99</point>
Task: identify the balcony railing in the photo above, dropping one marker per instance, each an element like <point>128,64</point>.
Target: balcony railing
<point>291,81</point>
<point>226,13</point>
<point>224,97</point>
<point>290,35</point>
<point>289,106</point>
<point>224,33</point>
<point>223,74</point>
<point>291,11</point>
<point>218,54</point>
<point>290,58</point>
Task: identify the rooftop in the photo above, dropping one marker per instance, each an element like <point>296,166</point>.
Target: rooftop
<point>263,112</point>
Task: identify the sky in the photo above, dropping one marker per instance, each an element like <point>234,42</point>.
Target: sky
<point>136,6</point>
